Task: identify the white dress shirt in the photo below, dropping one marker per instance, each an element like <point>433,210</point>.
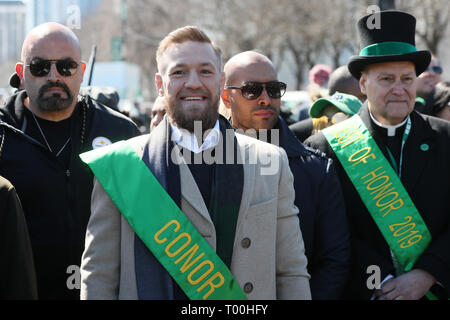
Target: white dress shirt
<point>187,139</point>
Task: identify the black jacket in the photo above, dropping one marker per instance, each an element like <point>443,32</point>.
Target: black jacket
<point>323,222</point>
<point>56,198</point>
<point>426,178</point>
<point>302,129</point>
<point>16,259</point>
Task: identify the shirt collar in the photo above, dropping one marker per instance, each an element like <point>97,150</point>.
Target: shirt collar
<point>390,129</point>
<point>187,139</point>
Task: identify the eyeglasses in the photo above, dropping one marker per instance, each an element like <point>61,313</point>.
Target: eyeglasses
<point>41,67</point>
<point>252,90</point>
<point>435,69</point>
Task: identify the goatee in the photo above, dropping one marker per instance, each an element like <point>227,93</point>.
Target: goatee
<point>54,102</point>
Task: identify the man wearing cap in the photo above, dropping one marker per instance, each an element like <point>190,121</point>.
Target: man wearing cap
<point>252,93</point>
<point>394,171</point>
<point>326,112</point>
<point>43,129</point>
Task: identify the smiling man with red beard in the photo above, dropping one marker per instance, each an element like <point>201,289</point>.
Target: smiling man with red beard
<point>165,229</point>
<point>192,69</point>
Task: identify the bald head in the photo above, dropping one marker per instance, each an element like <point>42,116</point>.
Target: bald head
<point>341,80</point>
<point>253,106</point>
<point>245,62</point>
<point>51,71</point>
<point>49,32</point>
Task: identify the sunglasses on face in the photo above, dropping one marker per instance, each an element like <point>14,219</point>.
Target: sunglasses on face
<point>41,67</point>
<point>435,69</point>
<point>252,90</point>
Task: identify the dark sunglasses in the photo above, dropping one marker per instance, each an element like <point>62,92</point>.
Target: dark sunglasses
<point>41,67</point>
<point>435,69</point>
<point>252,90</point>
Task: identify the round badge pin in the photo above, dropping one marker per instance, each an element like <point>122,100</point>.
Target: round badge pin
<point>424,147</point>
<point>100,142</point>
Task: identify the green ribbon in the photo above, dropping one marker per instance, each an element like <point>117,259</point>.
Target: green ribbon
<point>161,225</point>
<point>380,190</point>
<point>387,49</point>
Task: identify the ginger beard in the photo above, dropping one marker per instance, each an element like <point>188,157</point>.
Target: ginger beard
<point>188,106</point>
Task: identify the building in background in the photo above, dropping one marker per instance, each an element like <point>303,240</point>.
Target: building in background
<point>40,11</point>
<point>12,29</point>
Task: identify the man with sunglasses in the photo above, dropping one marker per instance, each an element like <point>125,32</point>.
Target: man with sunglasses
<point>252,93</point>
<point>43,129</point>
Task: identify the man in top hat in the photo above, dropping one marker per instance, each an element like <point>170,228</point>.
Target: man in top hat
<point>393,166</point>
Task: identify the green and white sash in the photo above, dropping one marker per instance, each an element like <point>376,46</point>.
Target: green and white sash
<point>380,190</point>
<point>161,225</point>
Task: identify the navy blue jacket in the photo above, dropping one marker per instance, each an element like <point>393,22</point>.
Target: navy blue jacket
<point>323,220</point>
<point>56,199</point>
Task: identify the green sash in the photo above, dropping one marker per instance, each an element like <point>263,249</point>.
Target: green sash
<point>380,190</point>
<point>161,225</point>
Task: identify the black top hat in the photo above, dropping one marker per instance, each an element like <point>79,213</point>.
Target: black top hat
<point>393,39</point>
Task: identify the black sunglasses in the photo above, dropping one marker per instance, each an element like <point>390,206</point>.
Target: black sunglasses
<point>41,67</point>
<point>252,90</point>
<point>435,69</point>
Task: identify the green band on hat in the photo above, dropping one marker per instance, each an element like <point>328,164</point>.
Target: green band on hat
<point>387,49</point>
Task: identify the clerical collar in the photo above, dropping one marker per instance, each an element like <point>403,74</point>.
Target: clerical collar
<point>187,139</point>
<point>390,129</point>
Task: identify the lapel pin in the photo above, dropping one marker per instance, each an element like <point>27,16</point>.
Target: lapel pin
<point>424,147</point>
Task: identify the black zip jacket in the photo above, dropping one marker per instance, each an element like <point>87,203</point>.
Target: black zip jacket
<point>56,198</point>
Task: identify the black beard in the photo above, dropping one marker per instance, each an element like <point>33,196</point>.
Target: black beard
<point>54,102</point>
<point>208,117</point>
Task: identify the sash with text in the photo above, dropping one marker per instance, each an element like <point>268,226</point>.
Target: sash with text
<point>381,190</point>
<point>161,225</point>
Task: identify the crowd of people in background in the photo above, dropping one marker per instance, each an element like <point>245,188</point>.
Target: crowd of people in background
<point>98,204</point>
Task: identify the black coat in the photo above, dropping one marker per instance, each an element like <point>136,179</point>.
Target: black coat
<point>426,178</point>
<point>322,216</point>
<point>302,129</point>
<point>56,199</point>
<point>16,259</point>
